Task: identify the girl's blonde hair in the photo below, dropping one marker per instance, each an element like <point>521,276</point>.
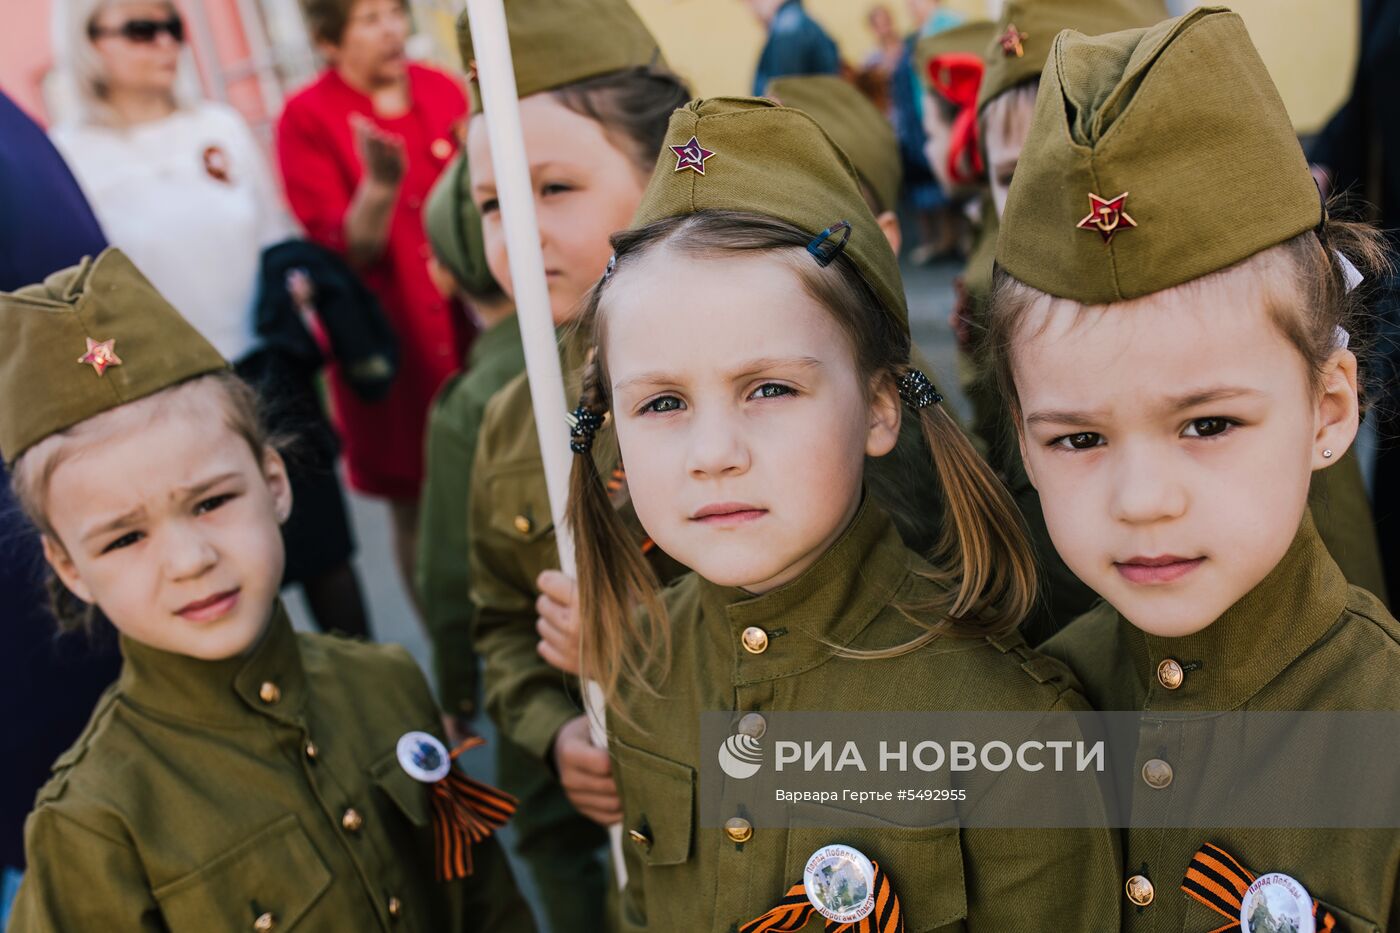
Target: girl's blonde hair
<point>1303,282</point>
<point>32,472</point>
<point>78,82</point>
<point>982,556</point>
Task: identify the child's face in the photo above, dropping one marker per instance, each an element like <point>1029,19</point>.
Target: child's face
<point>1172,440</point>
<point>743,422</point>
<point>169,523</point>
<point>585,189</point>
<point>1005,125</point>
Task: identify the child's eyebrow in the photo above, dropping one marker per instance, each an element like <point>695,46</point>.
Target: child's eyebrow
<point>194,490</point>
<point>121,521</point>
<point>1172,403</point>
<point>1079,419</point>
<point>741,370</point>
<point>1206,396</point>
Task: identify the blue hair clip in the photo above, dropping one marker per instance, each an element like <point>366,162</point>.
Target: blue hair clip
<point>824,248</point>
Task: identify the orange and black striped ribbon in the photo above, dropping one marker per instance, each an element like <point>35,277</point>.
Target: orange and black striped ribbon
<point>792,912</point>
<point>465,812</point>
<point>615,486</point>
<point>1218,880</point>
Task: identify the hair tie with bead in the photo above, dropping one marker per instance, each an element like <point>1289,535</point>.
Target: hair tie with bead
<point>917,391</point>
<point>584,423</point>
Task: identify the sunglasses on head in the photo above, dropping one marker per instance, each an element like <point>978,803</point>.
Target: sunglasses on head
<point>143,30</point>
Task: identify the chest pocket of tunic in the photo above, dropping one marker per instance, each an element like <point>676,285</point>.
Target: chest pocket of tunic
<point>277,871</point>
<point>1198,916</point>
<point>520,505</point>
<point>658,814</point>
<point>924,864</point>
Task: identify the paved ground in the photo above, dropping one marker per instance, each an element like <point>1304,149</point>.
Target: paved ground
<point>930,290</point>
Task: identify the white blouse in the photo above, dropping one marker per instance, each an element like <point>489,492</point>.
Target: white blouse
<point>189,198</point>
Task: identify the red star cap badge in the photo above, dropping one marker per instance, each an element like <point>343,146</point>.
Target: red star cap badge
<point>691,156</point>
<point>101,355</point>
<point>1107,217</point>
<point>1013,41</point>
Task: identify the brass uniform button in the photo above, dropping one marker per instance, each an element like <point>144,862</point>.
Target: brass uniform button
<point>753,725</point>
<point>269,692</point>
<point>639,837</point>
<point>265,923</point>
<point>351,820</point>
<point>522,524</point>
<point>1139,890</point>
<point>1157,773</point>
<point>738,829</point>
<point>395,907</point>
<point>1170,674</point>
<point>755,640</point>
<point>312,751</point>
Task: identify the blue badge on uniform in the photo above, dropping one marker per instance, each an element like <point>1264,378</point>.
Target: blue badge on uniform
<point>840,883</point>
<point>1276,902</point>
<point>424,757</point>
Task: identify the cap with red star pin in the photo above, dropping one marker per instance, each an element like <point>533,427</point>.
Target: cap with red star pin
<point>96,304</point>
<point>101,355</point>
<point>691,156</point>
<point>1107,217</point>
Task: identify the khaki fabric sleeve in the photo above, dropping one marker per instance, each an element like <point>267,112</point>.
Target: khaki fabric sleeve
<point>79,880</point>
<point>444,576</point>
<point>528,699</point>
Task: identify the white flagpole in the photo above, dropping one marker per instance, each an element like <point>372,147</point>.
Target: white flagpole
<point>496,78</point>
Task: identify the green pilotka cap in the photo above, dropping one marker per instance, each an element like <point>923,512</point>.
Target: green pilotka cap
<point>857,126</point>
<point>1023,36</point>
<point>970,38</point>
<point>1155,156</point>
<point>554,43</point>
<point>453,225</point>
<point>752,155</point>
<point>88,339</point>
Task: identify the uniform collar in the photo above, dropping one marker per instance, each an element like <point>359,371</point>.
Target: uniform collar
<point>270,681</point>
<point>494,339</point>
<point>1257,638</point>
<point>827,607</point>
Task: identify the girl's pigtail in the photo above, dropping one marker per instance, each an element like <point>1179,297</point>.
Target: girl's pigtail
<point>620,644</point>
<point>983,534</point>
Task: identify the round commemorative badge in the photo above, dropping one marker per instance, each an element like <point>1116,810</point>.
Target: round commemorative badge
<point>424,757</point>
<point>840,883</point>
<point>1276,902</point>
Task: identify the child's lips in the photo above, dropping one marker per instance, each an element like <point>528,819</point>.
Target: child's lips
<point>1167,568</point>
<point>210,608</point>
<point>728,513</point>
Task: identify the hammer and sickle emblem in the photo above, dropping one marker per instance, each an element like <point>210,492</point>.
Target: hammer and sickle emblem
<point>1107,216</point>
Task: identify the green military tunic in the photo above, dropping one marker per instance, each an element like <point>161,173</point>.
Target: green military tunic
<point>1301,640</point>
<point>686,876</point>
<point>261,792</point>
<point>444,581</point>
<point>555,839</point>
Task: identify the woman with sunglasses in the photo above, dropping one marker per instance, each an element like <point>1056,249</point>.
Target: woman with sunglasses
<point>182,186</point>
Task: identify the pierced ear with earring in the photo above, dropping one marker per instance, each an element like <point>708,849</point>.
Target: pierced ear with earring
<point>1327,454</point>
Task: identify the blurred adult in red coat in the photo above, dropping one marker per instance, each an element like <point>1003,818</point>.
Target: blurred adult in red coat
<point>359,151</point>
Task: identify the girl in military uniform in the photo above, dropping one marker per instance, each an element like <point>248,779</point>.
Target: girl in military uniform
<point>238,775</point>
<point>1172,312</point>
<point>752,350</point>
<point>1005,105</point>
<point>595,96</point>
